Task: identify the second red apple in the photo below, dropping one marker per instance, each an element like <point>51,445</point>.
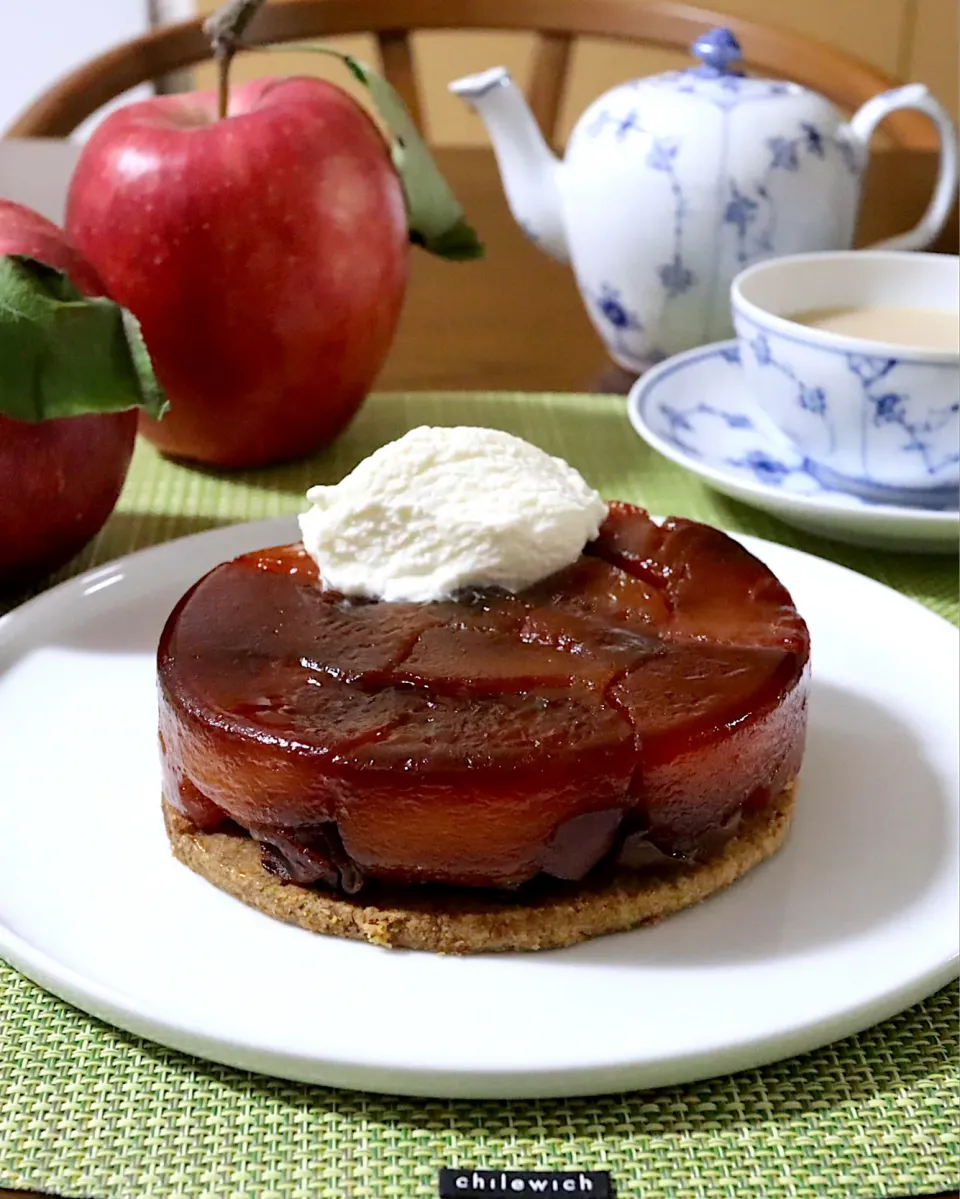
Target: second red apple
<point>59,479</point>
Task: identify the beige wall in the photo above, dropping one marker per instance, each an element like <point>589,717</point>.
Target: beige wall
<point>910,39</point>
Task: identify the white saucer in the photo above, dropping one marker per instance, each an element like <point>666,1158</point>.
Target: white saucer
<point>695,410</point>
<point>853,921</point>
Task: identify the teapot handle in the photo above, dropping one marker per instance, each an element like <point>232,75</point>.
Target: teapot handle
<point>862,125</point>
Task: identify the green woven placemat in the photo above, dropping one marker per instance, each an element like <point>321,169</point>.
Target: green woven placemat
<point>88,1111</point>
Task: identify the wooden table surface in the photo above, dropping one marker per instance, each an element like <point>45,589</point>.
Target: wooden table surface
<point>513,321</point>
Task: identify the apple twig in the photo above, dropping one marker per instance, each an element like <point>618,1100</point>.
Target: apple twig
<point>225,27</point>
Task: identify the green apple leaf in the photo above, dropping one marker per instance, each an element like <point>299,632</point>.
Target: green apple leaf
<point>66,354</point>
<point>437,222</point>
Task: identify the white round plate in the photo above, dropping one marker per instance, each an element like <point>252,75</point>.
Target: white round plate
<point>854,920</point>
<point>695,409</point>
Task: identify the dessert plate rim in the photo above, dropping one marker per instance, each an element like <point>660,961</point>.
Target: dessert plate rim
<point>109,615</point>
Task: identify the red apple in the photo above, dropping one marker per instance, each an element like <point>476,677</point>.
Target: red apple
<point>59,479</point>
<point>265,255</point>
<point>23,231</point>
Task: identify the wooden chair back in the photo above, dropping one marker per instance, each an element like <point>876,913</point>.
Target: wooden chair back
<point>844,79</point>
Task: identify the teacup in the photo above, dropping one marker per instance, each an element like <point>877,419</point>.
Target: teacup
<point>879,417</point>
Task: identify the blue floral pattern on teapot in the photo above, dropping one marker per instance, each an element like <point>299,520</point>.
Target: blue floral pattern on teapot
<point>673,184</point>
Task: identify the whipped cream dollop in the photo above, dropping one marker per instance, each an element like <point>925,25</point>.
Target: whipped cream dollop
<point>442,509</point>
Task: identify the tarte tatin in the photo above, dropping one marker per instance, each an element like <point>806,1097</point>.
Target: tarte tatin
<point>500,771</point>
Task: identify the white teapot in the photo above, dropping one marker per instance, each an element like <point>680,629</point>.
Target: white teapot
<point>673,184</point>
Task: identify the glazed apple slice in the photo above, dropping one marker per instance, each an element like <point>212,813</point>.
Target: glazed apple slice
<point>475,791</point>
<point>713,589</point>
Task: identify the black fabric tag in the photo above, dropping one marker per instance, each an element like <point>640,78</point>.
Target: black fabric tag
<point>522,1184</point>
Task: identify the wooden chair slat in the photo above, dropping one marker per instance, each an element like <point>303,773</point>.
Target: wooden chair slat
<point>396,60</point>
<point>551,65</point>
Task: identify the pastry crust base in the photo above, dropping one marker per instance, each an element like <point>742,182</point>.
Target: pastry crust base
<point>455,920</point>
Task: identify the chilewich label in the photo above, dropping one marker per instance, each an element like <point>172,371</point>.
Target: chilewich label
<point>501,1184</point>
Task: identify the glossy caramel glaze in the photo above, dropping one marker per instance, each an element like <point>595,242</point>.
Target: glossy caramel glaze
<point>629,709</point>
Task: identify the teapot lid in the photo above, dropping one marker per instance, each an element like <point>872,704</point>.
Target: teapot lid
<point>720,76</point>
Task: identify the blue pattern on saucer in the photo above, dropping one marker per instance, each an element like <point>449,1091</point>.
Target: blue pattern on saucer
<point>713,420</point>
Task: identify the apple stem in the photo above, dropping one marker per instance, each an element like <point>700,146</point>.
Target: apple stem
<point>225,27</point>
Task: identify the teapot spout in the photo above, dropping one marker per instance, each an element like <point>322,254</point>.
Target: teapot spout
<point>530,172</point>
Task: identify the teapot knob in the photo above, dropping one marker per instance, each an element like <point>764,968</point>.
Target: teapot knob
<point>719,52</point>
